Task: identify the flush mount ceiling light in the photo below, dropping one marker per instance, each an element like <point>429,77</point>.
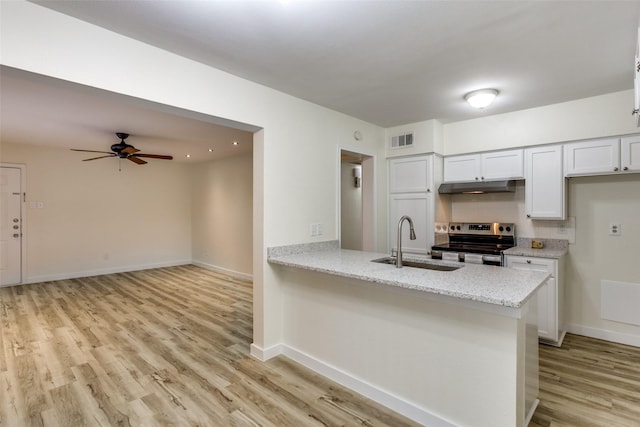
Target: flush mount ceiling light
<point>481,98</point>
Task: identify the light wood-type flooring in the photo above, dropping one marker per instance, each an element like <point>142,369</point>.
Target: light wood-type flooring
<point>170,347</point>
<point>588,383</point>
<point>163,347</point>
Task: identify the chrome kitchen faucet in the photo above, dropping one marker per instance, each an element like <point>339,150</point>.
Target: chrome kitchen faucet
<point>412,236</point>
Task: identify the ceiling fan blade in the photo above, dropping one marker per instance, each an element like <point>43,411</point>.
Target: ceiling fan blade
<point>91,151</point>
<point>154,156</point>
<point>101,157</point>
<point>134,159</point>
<point>129,150</point>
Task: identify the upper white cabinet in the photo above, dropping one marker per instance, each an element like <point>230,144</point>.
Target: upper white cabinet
<point>592,157</point>
<point>411,174</point>
<point>602,156</point>
<point>493,166</point>
<point>630,153</point>
<point>636,82</point>
<point>462,168</point>
<point>545,185</point>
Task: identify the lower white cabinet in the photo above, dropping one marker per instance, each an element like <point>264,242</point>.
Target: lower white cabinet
<point>551,328</point>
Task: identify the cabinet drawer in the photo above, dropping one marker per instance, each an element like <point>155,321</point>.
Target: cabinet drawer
<point>532,264</point>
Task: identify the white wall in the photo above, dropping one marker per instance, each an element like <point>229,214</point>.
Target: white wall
<point>427,138</point>
<point>98,220</point>
<point>288,196</point>
<point>221,215</point>
<point>580,119</point>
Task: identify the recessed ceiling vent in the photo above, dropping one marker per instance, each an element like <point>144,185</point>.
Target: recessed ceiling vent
<point>402,141</point>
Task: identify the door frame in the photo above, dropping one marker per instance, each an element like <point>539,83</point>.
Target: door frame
<point>23,218</point>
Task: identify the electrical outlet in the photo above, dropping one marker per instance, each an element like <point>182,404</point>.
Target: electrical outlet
<point>615,229</point>
<point>320,229</point>
<point>313,229</point>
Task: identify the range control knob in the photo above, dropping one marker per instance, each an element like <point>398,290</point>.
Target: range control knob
<point>501,228</point>
<point>458,227</point>
<point>453,227</point>
<point>508,228</point>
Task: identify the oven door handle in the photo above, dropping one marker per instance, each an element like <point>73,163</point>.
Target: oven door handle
<point>492,259</point>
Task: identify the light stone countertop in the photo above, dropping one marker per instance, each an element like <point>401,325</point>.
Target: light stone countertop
<point>500,286</point>
<point>536,253</point>
<point>553,248</point>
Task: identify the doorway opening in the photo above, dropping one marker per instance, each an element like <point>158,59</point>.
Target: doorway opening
<point>357,201</point>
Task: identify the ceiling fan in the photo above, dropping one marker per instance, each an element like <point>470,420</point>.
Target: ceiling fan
<point>123,150</point>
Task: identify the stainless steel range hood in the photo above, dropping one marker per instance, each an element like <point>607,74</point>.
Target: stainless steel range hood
<point>478,187</point>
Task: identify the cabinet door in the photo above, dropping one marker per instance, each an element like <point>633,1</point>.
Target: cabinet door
<point>548,310</point>
<point>630,148</point>
<point>410,174</point>
<point>601,156</point>
<point>544,190</point>
<point>547,294</point>
<point>507,164</point>
<point>419,208</point>
<point>636,82</point>
<point>462,168</point>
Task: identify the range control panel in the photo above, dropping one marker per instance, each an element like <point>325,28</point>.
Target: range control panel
<point>483,228</point>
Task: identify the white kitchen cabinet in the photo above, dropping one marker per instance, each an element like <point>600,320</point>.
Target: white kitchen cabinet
<point>602,156</point>
<point>505,164</point>
<point>630,153</point>
<point>411,174</point>
<point>545,185</point>
<point>551,327</point>
<point>491,166</point>
<point>462,168</point>
<point>419,207</point>
<point>412,183</point>
<point>636,82</point>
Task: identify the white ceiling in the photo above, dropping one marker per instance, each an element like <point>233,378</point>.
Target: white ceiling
<point>387,62</point>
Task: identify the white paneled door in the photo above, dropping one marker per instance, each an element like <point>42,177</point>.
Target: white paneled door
<point>10,226</point>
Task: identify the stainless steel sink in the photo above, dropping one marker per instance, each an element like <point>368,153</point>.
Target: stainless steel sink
<point>416,264</point>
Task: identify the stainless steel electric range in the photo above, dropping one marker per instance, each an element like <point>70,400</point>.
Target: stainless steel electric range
<point>478,243</point>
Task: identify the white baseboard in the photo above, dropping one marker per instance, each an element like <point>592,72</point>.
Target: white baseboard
<point>222,270</point>
<point>99,272</point>
<point>604,334</point>
<point>265,354</point>
<point>372,392</point>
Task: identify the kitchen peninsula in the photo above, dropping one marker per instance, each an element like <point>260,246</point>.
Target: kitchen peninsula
<point>445,348</point>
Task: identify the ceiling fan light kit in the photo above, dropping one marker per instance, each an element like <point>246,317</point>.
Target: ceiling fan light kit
<point>122,150</point>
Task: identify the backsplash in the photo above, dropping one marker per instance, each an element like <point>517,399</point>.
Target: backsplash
<point>509,207</point>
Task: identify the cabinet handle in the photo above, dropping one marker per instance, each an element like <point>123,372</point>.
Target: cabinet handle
<point>482,177</point>
<point>615,169</point>
<point>428,190</point>
<point>635,111</point>
<point>528,216</point>
<point>528,261</point>
<point>476,178</point>
<point>625,168</point>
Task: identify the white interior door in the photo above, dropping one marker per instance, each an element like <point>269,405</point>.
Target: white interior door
<point>10,226</point>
